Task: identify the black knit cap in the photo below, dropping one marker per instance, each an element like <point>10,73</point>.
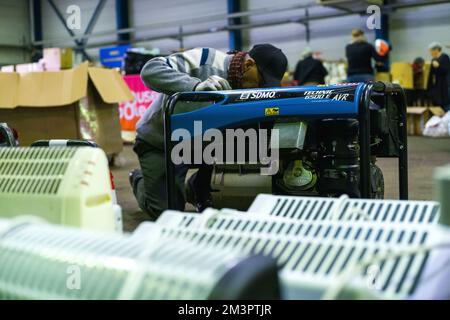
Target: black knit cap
<point>271,63</point>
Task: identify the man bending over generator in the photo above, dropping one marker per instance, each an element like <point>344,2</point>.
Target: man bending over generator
<point>199,69</point>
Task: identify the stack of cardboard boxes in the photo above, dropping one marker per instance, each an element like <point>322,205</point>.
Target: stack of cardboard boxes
<point>80,103</point>
<point>54,59</point>
<point>402,74</point>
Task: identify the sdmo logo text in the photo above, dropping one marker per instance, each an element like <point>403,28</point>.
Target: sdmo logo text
<point>257,95</point>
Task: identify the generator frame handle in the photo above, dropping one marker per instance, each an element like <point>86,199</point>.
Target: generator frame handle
<point>64,143</point>
<point>363,118</point>
<point>7,132</point>
<point>399,97</point>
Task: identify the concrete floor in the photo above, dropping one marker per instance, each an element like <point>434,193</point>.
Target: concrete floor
<point>424,155</point>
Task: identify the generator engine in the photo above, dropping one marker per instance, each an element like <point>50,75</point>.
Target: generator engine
<point>316,158</point>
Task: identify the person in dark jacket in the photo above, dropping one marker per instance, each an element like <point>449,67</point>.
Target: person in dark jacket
<point>309,71</point>
<point>438,79</point>
<point>359,57</point>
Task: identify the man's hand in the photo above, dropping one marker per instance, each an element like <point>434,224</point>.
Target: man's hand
<point>435,64</point>
<point>213,83</point>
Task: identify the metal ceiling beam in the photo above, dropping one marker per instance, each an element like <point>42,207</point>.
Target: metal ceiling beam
<point>79,43</point>
<point>302,20</point>
<point>337,7</point>
<point>183,22</point>
<point>13,46</point>
<point>223,28</point>
<point>93,21</point>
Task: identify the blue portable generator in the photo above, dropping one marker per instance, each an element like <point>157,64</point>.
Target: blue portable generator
<point>328,139</point>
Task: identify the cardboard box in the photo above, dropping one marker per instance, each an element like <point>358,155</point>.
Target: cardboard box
<point>402,74</point>
<point>52,59</point>
<point>7,68</point>
<point>66,58</point>
<point>417,117</point>
<point>80,103</point>
<point>29,67</point>
<point>56,59</point>
<point>426,75</point>
<point>383,76</point>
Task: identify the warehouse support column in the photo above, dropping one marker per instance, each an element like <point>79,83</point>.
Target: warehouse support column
<point>37,21</point>
<point>36,29</point>
<point>122,21</point>
<point>307,28</point>
<point>235,35</point>
<point>383,33</point>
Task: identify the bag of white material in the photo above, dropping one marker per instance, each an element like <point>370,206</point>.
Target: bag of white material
<point>446,119</point>
<point>435,127</point>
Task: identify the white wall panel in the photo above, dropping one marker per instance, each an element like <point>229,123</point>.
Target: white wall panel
<point>14,30</point>
<point>413,29</point>
<point>53,29</point>
<point>329,36</point>
<point>145,12</point>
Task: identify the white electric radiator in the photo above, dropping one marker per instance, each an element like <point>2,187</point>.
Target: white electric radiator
<point>312,208</point>
<point>378,248</point>
<point>44,261</point>
<point>69,186</point>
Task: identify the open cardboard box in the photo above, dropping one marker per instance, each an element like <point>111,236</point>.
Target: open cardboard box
<point>383,76</point>
<point>425,76</point>
<point>402,74</point>
<point>80,103</point>
<point>417,117</point>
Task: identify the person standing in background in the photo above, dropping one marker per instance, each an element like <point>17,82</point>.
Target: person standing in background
<point>438,86</point>
<point>309,71</point>
<point>418,96</point>
<point>359,57</point>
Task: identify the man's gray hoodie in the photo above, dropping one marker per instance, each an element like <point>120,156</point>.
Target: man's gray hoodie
<point>178,72</point>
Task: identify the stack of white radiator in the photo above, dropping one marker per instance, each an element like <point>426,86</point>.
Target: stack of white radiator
<point>323,247</point>
<point>329,248</point>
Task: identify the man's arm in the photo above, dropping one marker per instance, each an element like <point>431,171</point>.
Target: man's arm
<point>171,74</point>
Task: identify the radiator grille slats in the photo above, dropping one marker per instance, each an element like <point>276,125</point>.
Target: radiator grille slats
<point>316,258</point>
<point>314,244</point>
<point>33,170</point>
<point>312,209</point>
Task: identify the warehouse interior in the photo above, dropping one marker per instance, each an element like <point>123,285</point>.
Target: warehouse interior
<point>77,91</point>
